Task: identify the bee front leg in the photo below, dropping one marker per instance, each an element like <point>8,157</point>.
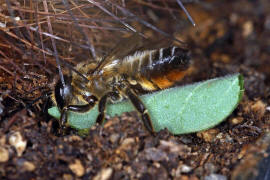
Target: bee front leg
<point>138,104</point>
<point>63,119</point>
<point>75,108</point>
<point>91,100</point>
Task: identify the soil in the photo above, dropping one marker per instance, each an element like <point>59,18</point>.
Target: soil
<point>229,37</point>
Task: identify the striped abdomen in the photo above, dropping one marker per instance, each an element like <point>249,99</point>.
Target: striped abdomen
<point>158,69</point>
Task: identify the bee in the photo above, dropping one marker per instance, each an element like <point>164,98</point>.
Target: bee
<point>113,79</point>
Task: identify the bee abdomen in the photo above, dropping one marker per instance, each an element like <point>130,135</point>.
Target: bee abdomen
<point>164,60</point>
<point>156,69</point>
<point>163,67</point>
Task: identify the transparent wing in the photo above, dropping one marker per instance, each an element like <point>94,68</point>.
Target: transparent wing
<point>128,46</point>
<point>123,48</point>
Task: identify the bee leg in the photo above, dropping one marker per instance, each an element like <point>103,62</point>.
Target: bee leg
<point>63,121</point>
<point>102,105</point>
<point>101,108</point>
<point>83,108</point>
<point>80,108</point>
<point>75,108</point>
<point>138,104</point>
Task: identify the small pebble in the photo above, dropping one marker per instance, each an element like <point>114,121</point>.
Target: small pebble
<point>259,108</point>
<point>77,168</point>
<point>104,174</point>
<point>74,138</point>
<point>185,168</point>
<point>17,141</point>
<point>215,177</point>
<point>208,135</point>
<point>67,177</point>
<point>29,166</point>
<point>236,120</point>
<point>172,146</point>
<point>155,154</point>
<point>210,167</point>
<point>4,155</point>
<point>127,144</point>
<point>2,140</point>
<point>114,138</point>
<point>247,28</point>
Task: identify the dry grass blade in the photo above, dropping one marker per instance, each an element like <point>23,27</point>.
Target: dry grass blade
<point>186,12</point>
<point>111,14</point>
<point>65,2</point>
<point>53,44</point>
<point>147,24</point>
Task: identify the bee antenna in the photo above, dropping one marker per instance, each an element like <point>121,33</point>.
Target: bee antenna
<point>73,69</point>
<point>186,12</point>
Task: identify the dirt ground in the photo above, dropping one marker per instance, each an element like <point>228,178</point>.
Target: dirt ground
<point>229,37</point>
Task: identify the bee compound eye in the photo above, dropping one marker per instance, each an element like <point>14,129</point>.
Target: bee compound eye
<point>59,95</point>
<point>63,93</point>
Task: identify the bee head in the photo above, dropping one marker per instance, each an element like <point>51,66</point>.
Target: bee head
<point>63,93</point>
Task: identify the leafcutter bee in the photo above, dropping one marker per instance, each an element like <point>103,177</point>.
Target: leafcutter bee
<point>116,77</point>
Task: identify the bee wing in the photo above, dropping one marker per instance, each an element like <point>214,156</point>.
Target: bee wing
<point>137,42</point>
<point>129,46</point>
<point>123,48</point>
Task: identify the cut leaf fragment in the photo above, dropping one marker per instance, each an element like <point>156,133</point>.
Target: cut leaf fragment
<point>181,110</point>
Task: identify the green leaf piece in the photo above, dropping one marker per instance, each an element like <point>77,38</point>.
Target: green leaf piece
<point>181,110</point>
